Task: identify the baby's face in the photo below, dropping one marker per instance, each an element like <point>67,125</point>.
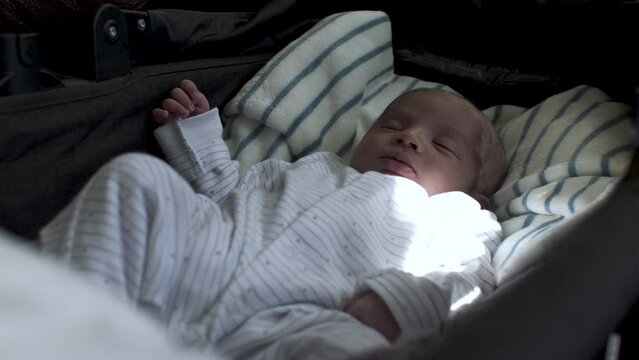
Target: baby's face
<point>430,137</point>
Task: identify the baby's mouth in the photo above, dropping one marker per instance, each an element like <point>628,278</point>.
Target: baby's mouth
<point>398,166</point>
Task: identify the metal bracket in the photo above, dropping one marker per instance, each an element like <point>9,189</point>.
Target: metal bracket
<point>19,63</point>
<point>92,46</point>
<point>110,53</point>
<point>139,26</point>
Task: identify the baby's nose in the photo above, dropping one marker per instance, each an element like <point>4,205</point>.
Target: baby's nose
<point>407,140</point>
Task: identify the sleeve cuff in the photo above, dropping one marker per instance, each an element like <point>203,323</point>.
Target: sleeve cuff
<point>413,307</point>
<point>192,134</point>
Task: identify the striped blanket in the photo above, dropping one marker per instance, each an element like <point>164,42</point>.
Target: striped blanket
<point>321,93</point>
<point>564,155</point>
<point>324,90</point>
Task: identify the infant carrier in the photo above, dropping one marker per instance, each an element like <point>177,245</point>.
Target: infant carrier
<point>79,79</point>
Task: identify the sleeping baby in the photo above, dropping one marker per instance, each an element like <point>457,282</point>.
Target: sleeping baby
<point>315,259</point>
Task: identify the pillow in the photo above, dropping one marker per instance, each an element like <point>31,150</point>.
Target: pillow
<point>324,90</point>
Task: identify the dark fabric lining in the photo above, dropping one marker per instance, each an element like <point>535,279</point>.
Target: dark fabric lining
<point>52,141</point>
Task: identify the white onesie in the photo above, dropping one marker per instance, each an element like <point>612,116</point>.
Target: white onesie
<point>258,265</point>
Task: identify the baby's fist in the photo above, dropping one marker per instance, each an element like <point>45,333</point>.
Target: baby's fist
<point>184,101</point>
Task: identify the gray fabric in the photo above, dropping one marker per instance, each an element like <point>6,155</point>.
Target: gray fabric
<point>52,141</point>
<point>36,15</point>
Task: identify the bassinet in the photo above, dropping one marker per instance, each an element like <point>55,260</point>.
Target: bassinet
<point>81,111</point>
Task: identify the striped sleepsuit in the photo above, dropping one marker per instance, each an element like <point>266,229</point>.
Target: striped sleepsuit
<point>259,264</point>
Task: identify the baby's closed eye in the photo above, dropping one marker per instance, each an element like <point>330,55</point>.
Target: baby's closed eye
<point>391,124</point>
<point>447,147</point>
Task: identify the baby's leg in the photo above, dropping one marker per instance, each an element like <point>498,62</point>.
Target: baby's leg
<point>138,229</point>
<point>301,331</point>
<point>331,340</point>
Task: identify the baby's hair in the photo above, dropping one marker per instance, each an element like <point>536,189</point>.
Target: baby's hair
<point>493,173</point>
<point>492,155</point>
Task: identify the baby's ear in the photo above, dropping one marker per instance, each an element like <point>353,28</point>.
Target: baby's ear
<point>482,200</point>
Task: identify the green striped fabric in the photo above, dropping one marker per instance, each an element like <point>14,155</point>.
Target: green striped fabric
<point>563,155</point>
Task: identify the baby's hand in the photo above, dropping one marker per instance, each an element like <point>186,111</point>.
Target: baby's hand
<point>183,102</point>
<point>370,309</point>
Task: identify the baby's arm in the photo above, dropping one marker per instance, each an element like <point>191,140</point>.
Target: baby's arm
<point>191,139</point>
<point>412,303</point>
<point>460,251</point>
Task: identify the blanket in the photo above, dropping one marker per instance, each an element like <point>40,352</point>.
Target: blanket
<point>564,156</point>
<point>320,93</point>
<point>324,90</point>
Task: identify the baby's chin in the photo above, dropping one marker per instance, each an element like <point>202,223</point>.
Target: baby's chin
<point>400,171</point>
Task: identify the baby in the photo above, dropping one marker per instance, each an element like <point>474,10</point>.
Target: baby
<point>311,259</point>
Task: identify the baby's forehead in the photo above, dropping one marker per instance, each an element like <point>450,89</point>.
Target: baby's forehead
<point>426,93</point>
<point>433,101</point>
<point>441,103</point>
<point>432,106</point>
